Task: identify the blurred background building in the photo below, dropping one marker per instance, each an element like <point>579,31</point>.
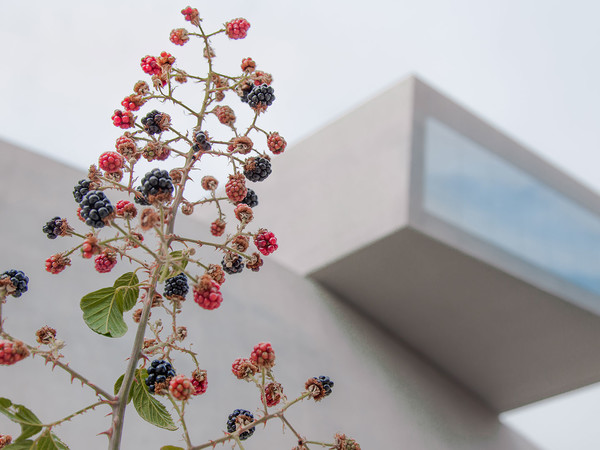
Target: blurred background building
<point>438,271</point>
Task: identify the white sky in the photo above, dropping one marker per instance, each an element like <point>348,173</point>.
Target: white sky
<point>528,66</point>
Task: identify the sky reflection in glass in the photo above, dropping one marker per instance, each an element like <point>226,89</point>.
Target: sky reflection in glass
<point>472,188</point>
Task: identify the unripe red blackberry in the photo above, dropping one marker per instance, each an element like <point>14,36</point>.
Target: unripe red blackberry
<point>150,65</point>
<point>156,122</point>
<point>12,352</point>
<point>13,282</point>
<point>5,440</point>
<point>232,263</point>
<point>240,418</point>
<point>259,77</point>
<point>272,393</point>
<point>261,96</point>
<point>207,293</point>
<point>179,36</point>
<point>122,119</point>
<point>251,199</point>
<point>265,242</point>
<point>96,209</point>
<point>225,114</point>
<point>166,60</point>
<point>56,227</point>
<point>82,188</point>
<point>236,188</point>
<point>263,355</point>
<point>157,186</point>
<point>181,387</point>
<point>217,228</point>
<point>105,261</point>
<point>160,374</point>
<point>257,168</point>
<point>90,247</point>
<point>243,368</point>
<point>199,381</point>
<point>57,263</point>
<point>125,209</point>
<point>276,143</point>
<point>191,15</point>
<point>110,161</point>
<point>319,387</point>
<point>176,288</point>
<point>133,102</point>
<point>237,28</point>
<point>248,65</point>
<point>127,147</point>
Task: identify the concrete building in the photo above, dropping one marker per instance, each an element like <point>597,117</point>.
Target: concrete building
<point>435,269</point>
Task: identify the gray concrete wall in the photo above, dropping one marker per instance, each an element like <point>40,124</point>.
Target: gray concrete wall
<point>385,395</point>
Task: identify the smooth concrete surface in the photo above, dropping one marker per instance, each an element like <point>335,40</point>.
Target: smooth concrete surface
<point>385,395</point>
<point>346,185</point>
<point>509,342</point>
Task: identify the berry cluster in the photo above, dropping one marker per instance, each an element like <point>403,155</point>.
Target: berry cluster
<point>237,28</point>
<point>263,355</point>
<point>191,15</point>
<point>261,96</point>
<point>157,185</point>
<point>257,169</point>
<point>208,293</point>
<point>265,242</point>
<point>232,263</point>
<point>181,387</point>
<point>12,352</point>
<point>276,143</point>
<point>111,161</point>
<point>201,142</point>
<point>319,387</point>
<point>56,227</point>
<point>82,188</point>
<point>156,122</point>
<point>96,209</point>
<point>150,65</point>
<point>238,419</point>
<point>122,119</point>
<point>105,261</point>
<point>236,188</point>
<point>57,263</point>
<point>160,374</point>
<point>176,288</point>
<point>14,282</point>
<point>251,199</point>
<point>179,36</point>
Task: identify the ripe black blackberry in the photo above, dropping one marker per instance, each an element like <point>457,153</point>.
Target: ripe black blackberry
<point>141,199</point>
<point>152,122</point>
<point>251,199</point>
<point>239,419</point>
<point>176,287</point>
<point>201,142</point>
<point>95,207</point>
<point>14,282</point>
<point>257,168</point>
<point>261,96</point>
<point>54,227</point>
<point>244,91</point>
<point>82,188</point>
<point>232,263</point>
<point>157,185</point>
<point>160,372</point>
<point>327,384</point>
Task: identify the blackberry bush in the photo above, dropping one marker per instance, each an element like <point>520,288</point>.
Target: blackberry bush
<point>146,238</point>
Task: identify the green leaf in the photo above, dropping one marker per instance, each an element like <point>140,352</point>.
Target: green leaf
<point>148,407</point>
<point>171,447</point>
<point>22,445</point>
<point>102,312</point>
<point>118,384</point>
<point>127,291</point>
<point>170,271</point>
<point>30,424</point>
<point>50,441</point>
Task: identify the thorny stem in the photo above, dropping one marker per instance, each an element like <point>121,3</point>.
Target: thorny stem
<point>180,413</point>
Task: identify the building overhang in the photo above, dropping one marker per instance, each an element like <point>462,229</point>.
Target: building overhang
<point>458,240</point>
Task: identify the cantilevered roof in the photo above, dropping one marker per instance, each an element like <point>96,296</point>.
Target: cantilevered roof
<point>456,238</point>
